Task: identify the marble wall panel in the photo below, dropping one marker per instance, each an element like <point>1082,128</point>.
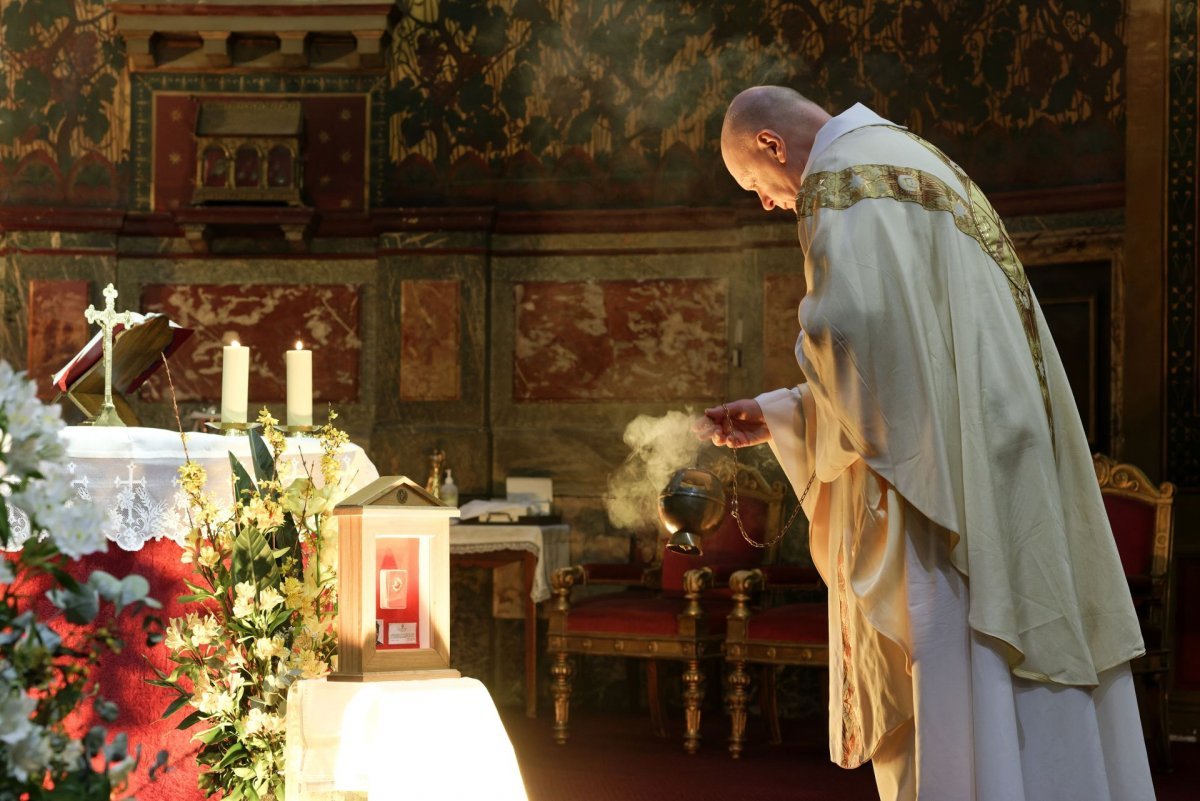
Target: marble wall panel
<point>430,341</point>
<point>782,294</point>
<point>57,328</point>
<point>268,318</point>
<point>647,340</point>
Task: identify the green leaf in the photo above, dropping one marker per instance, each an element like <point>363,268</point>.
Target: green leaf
<point>264,463</point>
<point>243,485</point>
<point>107,710</point>
<point>108,585</point>
<point>232,755</point>
<point>252,560</point>
<point>177,704</point>
<point>190,720</point>
<point>134,589</point>
<point>80,606</point>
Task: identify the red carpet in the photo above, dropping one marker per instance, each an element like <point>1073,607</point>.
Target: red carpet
<point>616,758</point>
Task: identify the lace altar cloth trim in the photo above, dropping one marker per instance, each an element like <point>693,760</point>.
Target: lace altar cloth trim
<point>552,544</point>
<point>132,474</point>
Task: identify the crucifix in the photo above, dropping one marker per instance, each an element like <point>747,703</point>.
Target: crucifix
<point>107,320</point>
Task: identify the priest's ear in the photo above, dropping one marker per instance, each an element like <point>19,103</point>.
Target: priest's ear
<point>771,143</point>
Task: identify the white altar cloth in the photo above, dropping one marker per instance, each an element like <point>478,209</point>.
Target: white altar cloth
<point>551,543</point>
<point>416,740</point>
<point>131,473</point>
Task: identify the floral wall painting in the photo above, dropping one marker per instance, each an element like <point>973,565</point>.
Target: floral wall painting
<point>64,105</point>
<point>488,98</point>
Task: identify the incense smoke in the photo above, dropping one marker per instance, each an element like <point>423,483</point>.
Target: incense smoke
<point>658,447</point>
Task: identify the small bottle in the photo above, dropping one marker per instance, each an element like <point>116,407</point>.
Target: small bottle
<point>449,490</point>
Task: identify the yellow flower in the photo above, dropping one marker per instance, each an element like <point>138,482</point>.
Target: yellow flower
<point>209,556</point>
<point>311,666</point>
<point>293,593</point>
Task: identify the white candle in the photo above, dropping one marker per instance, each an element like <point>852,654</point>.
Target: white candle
<point>235,380</point>
<point>299,386</point>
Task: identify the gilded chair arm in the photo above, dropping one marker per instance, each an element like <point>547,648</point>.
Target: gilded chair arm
<point>743,583</point>
<point>695,582</point>
<point>562,581</point>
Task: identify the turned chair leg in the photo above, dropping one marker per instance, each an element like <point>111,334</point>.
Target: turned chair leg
<point>739,680</point>
<point>766,702</point>
<point>560,689</point>
<point>693,697</point>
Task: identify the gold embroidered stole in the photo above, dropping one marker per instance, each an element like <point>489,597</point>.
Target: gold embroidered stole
<point>974,216</point>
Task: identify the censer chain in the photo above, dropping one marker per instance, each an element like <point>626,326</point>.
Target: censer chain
<point>736,512</point>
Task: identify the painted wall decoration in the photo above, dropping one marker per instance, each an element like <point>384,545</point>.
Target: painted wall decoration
<point>335,148</point>
<point>268,318</point>
<point>782,294</point>
<point>64,104</point>
<point>619,102</point>
<point>430,341</point>
<point>661,339</point>
<point>57,328</point>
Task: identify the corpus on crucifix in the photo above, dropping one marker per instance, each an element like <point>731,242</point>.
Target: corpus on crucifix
<point>107,320</point>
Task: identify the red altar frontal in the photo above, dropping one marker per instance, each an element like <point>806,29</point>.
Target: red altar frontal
<point>130,473</point>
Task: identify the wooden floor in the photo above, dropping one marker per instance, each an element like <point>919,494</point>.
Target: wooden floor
<point>616,758</point>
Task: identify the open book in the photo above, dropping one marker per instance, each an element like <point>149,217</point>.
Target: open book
<point>137,354</point>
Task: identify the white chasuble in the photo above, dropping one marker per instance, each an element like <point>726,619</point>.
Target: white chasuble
<point>956,516</point>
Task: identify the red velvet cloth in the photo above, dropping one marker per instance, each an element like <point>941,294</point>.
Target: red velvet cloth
<point>791,623</point>
<point>791,575</point>
<point>641,613</point>
<point>1133,527</point>
<point>725,546</point>
<point>123,676</point>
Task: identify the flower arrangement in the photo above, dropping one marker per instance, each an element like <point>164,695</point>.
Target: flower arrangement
<point>43,680</point>
<point>265,587</point>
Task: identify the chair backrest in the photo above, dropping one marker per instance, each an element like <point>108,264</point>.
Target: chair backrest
<point>1141,515</point>
<point>761,507</point>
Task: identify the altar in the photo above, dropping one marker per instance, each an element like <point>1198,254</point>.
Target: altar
<point>132,475</point>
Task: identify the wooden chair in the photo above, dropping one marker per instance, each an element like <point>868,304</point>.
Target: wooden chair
<point>789,634</point>
<point>675,610</point>
<point>1141,515</point>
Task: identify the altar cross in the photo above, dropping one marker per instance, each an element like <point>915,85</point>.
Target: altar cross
<point>107,320</point>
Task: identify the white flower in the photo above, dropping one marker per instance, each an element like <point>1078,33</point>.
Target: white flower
<point>15,710</point>
<point>268,599</point>
<point>243,603</point>
<point>265,648</point>
<point>30,756</point>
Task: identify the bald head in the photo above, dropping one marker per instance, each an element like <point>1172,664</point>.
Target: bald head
<point>766,138</point>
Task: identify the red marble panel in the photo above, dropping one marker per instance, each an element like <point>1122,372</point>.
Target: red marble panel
<point>57,329</point>
<point>782,293</point>
<point>430,341</point>
<point>267,318</point>
<point>661,339</point>
<point>335,148</point>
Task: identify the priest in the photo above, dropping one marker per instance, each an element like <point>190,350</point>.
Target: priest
<point>980,625</point>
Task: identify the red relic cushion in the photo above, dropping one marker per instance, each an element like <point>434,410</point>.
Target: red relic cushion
<point>1133,528</point>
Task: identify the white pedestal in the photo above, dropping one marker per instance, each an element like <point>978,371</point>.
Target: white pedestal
<point>417,740</point>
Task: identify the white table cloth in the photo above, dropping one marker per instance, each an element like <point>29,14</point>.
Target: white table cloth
<point>132,473</point>
<point>416,740</point>
<point>552,544</point>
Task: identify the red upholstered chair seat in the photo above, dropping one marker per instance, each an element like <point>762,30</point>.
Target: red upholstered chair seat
<point>799,623</point>
<point>629,613</point>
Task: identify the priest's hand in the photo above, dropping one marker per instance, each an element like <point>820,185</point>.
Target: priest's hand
<point>742,427</point>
